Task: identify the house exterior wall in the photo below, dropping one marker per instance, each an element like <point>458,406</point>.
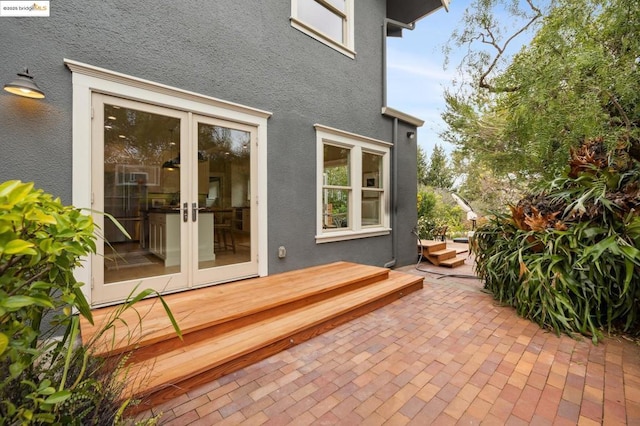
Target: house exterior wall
<point>237,50</point>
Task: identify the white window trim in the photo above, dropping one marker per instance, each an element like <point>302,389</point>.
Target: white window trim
<point>87,79</point>
<point>357,144</point>
<point>347,49</point>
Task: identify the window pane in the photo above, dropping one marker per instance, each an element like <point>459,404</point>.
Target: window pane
<point>371,170</point>
<point>338,4</point>
<point>321,18</point>
<point>141,185</point>
<point>371,207</point>
<point>336,166</point>
<point>336,208</point>
<point>224,173</point>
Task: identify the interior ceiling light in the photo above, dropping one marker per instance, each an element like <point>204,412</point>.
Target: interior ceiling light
<point>171,164</point>
<point>24,86</point>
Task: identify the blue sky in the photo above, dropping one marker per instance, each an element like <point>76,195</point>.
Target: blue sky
<point>416,77</point>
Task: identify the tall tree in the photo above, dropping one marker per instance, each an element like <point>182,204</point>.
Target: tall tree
<point>578,79</point>
<point>439,172</point>
<point>422,166</point>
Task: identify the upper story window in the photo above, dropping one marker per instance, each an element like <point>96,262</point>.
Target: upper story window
<point>353,186</point>
<point>328,21</point>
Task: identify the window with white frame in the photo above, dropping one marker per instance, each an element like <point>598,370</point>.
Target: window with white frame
<point>353,185</point>
<point>328,21</point>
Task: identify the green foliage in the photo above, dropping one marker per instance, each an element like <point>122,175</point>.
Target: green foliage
<point>577,79</point>
<point>485,190</point>
<point>436,209</point>
<point>426,213</point>
<point>45,379</point>
<point>567,257</point>
<point>438,172</point>
<point>422,166</point>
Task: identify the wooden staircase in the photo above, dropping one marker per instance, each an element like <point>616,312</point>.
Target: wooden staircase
<point>437,253</point>
<point>230,326</point>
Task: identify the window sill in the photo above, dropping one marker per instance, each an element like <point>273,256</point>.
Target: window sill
<point>333,236</point>
<point>301,26</point>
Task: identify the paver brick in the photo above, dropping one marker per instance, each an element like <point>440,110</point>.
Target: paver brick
<point>446,354</point>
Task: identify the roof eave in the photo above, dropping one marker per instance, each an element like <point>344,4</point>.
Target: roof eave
<point>410,11</point>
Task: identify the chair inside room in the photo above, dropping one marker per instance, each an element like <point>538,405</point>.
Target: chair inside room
<point>224,237</point>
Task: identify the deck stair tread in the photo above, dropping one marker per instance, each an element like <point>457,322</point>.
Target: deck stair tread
<point>231,301</point>
<point>431,245</point>
<point>443,254</point>
<point>230,326</point>
<point>454,262</point>
<point>172,367</point>
<point>438,254</point>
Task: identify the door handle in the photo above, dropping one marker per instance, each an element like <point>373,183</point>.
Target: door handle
<point>195,209</point>
<point>185,212</point>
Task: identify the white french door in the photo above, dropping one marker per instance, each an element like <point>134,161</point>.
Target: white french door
<point>226,178</point>
<point>179,186</point>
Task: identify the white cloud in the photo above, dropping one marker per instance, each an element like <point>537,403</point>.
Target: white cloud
<point>422,70</point>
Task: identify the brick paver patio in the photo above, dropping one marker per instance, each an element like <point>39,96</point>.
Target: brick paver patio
<point>445,355</point>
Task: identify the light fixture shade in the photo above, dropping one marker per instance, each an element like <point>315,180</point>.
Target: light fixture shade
<point>172,164</point>
<point>24,86</point>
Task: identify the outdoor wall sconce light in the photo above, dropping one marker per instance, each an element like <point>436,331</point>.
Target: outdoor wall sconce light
<point>411,135</point>
<point>24,86</point>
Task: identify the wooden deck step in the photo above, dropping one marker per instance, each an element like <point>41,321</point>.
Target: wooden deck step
<point>171,373</point>
<point>453,263</point>
<point>430,246</point>
<point>438,254</point>
<point>441,255</point>
<point>223,304</point>
<point>230,326</point>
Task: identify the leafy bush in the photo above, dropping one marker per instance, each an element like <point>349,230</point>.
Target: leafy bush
<point>567,257</point>
<point>437,208</point>
<point>45,379</point>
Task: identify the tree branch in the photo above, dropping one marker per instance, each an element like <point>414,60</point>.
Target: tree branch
<point>483,82</point>
<point>623,114</point>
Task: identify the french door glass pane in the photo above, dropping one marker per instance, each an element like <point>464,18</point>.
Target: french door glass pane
<point>142,192</point>
<point>224,196</point>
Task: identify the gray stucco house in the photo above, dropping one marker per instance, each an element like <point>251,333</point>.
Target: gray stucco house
<point>231,139</point>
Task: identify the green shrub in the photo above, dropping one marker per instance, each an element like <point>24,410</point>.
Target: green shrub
<point>567,257</point>
<point>45,379</point>
<point>436,209</point>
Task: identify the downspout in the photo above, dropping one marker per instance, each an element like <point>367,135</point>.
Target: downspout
<point>394,197</point>
<point>394,140</point>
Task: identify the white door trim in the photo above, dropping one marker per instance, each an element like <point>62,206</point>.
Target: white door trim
<point>87,79</point>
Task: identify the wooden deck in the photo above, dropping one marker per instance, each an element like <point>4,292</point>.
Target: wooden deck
<point>438,254</point>
<point>230,326</point>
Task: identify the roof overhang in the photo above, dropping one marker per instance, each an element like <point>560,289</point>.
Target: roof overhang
<point>409,119</point>
<point>409,11</point>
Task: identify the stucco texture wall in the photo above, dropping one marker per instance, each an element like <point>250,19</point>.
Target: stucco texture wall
<point>242,51</point>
